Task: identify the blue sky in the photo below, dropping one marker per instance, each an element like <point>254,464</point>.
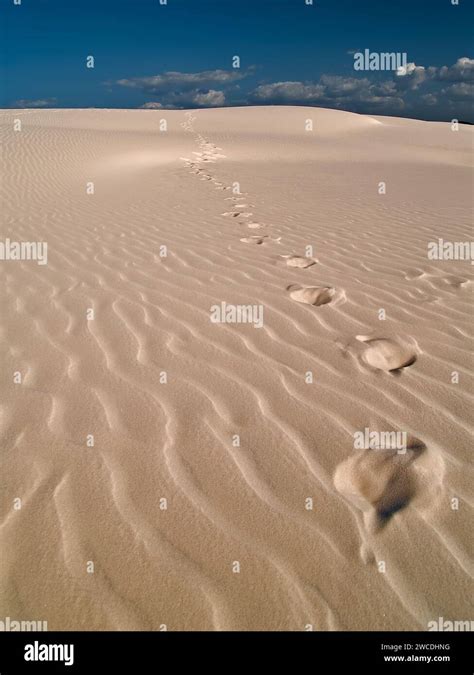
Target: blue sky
<point>180,54</point>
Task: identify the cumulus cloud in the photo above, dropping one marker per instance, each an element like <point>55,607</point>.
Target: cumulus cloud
<point>336,86</point>
<point>176,81</point>
<point>407,88</point>
<point>35,103</point>
<point>285,92</point>
<point>151,105</point>
<point>210,98</point>
<point>412,75</point>
<point>414,88</point>
<point>330,90</point>
<point>180,90</point>
<point>460,90</point>
<point>188,99</point>
<point>461,71</point>
<point>429,99</point>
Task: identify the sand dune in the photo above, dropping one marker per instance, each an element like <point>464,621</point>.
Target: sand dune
<point>207,469</point>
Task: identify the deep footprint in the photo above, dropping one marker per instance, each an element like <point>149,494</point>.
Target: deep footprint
<point>299,261</point>
<point>312,295</point>
<point>386,354</point>
<point>253,240</point>
<point>379,482</point>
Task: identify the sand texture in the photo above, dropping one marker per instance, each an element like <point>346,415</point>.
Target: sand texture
<point>207,470</point>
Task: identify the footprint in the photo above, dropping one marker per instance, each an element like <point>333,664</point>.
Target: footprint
<point>414,273</point>
<point>253,240</point>
<point>454,282</point>
<point>312,295</point>
<point>435,280</point>
<point>299,261</point>
<point>235,214</point>
<point>380,482</point>
<point>386,354</point>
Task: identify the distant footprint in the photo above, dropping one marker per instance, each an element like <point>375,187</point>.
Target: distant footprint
<point>235,214</point>
<point>299,261</point>
<point>312,295</point>
<point>454,282</point>
<point>253,240</point>
<point>449,281</point>
<point>414,273</point>
<point>255,226</point>
<point>386,354</point>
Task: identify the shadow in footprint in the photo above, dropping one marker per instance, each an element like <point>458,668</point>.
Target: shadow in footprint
<point>299,261</point>
<point>253,240</point>
<point>387,354</point>
<point>311,295</point>
<point>380,482</point>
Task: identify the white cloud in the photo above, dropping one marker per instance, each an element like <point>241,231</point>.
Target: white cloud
<point>289,91</point>
<point>412,75</point>
<point>461,71</point>
<point>337,85</point>
<point>414,88</point>
<point>330,90</point>
<point>173,81</point>
<point>210,98</point>
<point>35,103</point>
<point>459,90</point>
<point>182,90</point>
<point>429,99</point>
<point>366,95</point>
<point>195,98</point>
<point>151,105</point>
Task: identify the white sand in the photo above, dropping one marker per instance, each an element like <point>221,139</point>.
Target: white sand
<point>174,440</point>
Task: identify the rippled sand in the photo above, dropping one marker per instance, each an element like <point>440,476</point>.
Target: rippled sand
<point>208,470</point>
